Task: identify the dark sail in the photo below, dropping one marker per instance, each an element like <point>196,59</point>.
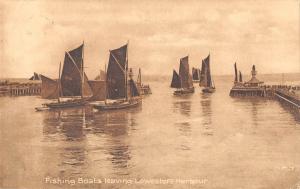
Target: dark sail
<point>190,80</point>
<point>133,88</point>
<point>49,88</point>
<point>205,78</point>
<point>71,83</point>
<point>184,73</point>
<point>195,73</point>
<point>99,88</point>
<point>116,73</point>
<point>176,83</point>
<point>208,75</point>
<point>240,77</point>
<point>235,73</point>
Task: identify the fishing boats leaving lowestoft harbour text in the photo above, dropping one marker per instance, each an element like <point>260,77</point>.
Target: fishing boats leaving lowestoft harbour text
<point>122,181</point>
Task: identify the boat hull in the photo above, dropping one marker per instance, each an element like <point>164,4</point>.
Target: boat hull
<point>208,90</point>
<point>67,104</point>
<point>117,105</point>
<point>184,91</point>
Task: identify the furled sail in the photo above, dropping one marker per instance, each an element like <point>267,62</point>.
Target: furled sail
<point>176,83</point>
<point>240,77</point>
<point>116,71</point>
<point>235,73</point>
<point>49,88</point>
<point>186,80</point>
<point>71,77</point>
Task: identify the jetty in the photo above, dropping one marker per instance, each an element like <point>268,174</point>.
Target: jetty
<point>20,88</point>
<point>289,96</point>
<point>253,87</point>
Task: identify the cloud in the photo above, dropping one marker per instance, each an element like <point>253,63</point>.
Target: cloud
<point>37,33</point>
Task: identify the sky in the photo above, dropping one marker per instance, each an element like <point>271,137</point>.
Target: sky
<point>34,35</point>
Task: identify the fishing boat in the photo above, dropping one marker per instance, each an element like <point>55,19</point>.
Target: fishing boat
<point>144,89</point>
<point>206,80</point>
<point>121,92</point>
<point>196,75</point>
<point>182,82</point>
<point>72,86</point>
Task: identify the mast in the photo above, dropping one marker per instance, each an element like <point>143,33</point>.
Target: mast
<point>235,73</point>
<point>240,77</point>
<point>105,83</point>
<point>82,71</point>
<point>140,76</point>
<point>59,83</point>
<point>126,71</point>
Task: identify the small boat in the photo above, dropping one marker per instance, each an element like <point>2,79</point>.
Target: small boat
<point>208,90</point>
<point>116,105</point>
<point>182,82</point>
<point>206,78</point>
<point>67,103</point>
<point>72,86</point>
<point>41,108</point>
<point>182,91</point>
<point>121,93</point>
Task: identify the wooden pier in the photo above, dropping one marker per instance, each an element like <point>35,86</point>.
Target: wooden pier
<point>289,97</point>
<point>24,88</point>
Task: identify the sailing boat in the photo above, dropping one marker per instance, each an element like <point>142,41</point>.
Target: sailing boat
<point>205,77</point>
<point>182,81</point>
<point>196,74</point>
<point>118,95</point>
<point>73,87</point>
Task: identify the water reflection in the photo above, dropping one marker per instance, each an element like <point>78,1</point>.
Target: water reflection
<point>183,105</point>
<point>252,105</point>
<point>116,126</point>
<point>254,112</point>
<point>206,113</point>
<point>66,123</point>
<point>83,126</point>
<point>63,126</point>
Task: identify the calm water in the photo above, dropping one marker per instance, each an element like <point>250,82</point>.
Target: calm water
<point>203,141</point>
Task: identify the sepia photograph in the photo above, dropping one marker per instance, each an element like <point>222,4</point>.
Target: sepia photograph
<point>151,94</point>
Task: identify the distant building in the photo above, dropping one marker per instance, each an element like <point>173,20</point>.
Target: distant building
<point>253,82</point>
